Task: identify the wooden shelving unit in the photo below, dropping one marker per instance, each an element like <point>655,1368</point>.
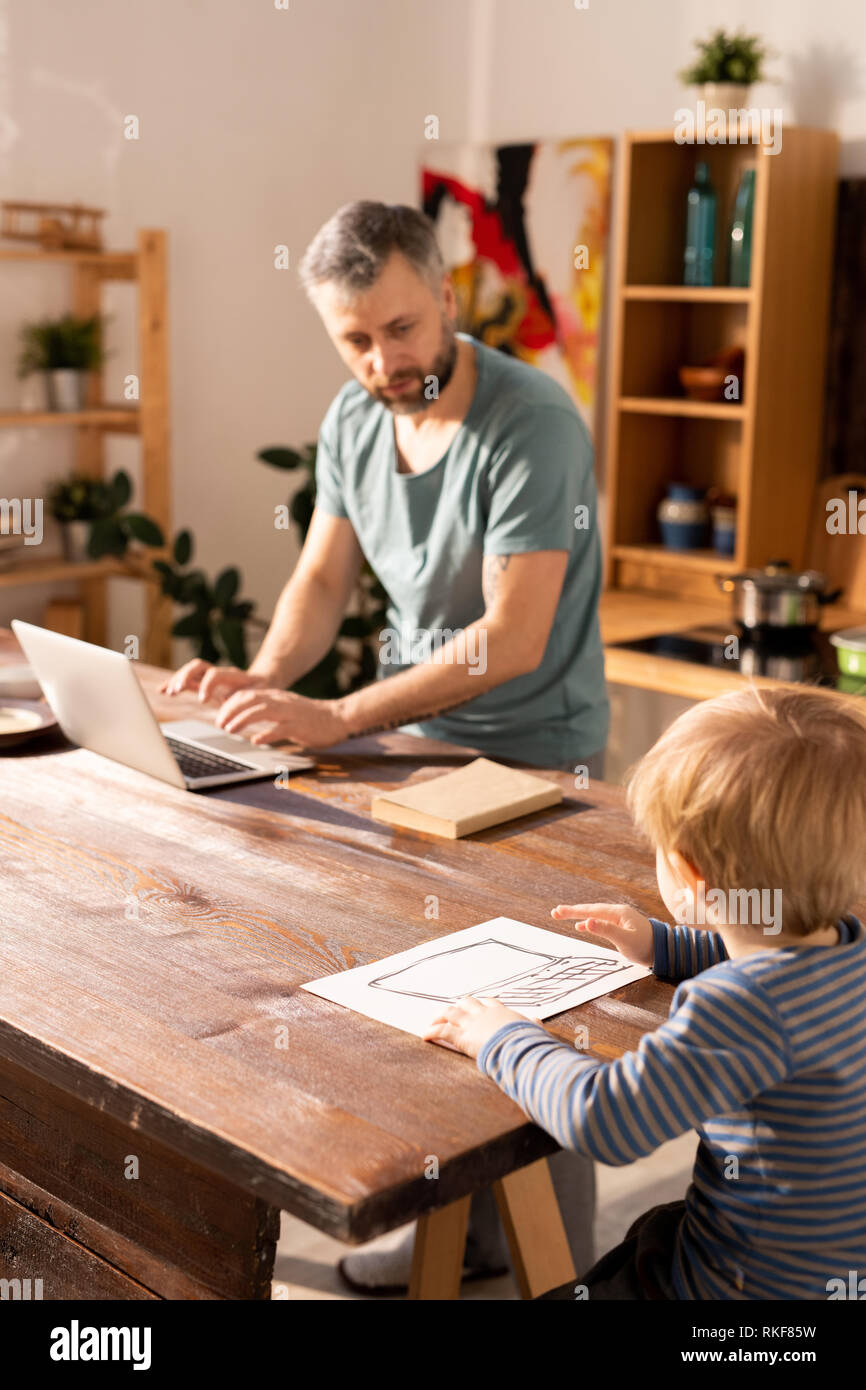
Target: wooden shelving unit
<point>118,419</point>
<point>688,294</point>
<point>55,570</point>
<point>674,405</point>
<point>764,447</point>
<point>148,267</point>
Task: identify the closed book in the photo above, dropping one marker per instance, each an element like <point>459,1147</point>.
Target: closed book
<point>480,794</point>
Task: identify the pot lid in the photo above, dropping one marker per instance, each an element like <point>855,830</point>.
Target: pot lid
<point>780,578</point>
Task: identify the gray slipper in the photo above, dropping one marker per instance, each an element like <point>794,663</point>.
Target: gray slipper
<point>377,1273</point>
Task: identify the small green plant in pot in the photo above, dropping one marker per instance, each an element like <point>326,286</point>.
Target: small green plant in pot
<point>215,618</point>
<point>93,522</point>
<point>353,659</point>
<point>725,68</point>
<point>64,350</point>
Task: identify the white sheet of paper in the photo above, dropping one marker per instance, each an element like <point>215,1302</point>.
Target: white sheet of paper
<point>535,972</point>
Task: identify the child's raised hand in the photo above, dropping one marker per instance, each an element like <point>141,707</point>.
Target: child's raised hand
<point>627,929</point>
<point>466,1027</point>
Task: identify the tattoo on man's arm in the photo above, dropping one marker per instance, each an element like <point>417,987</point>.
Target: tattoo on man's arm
<point>415,717</point>
<point>492,569</point>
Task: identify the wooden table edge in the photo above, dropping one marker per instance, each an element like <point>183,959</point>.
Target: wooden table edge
<point>353,1223</point>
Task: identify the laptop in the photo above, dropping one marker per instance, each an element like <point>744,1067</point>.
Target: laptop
<point>99,704</point>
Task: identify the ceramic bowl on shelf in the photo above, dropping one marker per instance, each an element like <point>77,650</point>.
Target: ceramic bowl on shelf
<point>708,381</point>
<point>703,383</point>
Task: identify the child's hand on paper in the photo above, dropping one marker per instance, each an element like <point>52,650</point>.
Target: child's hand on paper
<point>467,1026</point>
<point>628,931</point>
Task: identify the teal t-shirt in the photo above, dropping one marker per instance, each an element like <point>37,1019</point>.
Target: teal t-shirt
<point>514,479</point>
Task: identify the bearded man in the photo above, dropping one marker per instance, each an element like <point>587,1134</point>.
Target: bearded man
<point>465,477</point>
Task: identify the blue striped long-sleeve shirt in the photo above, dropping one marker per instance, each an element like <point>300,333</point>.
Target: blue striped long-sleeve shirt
<point>765,1056</point>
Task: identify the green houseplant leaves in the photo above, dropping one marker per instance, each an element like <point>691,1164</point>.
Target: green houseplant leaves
<point>353,659</point>
<point>80,498</point>
<point>69,342</point>
<point>723,57</point>
<point>215,618</point>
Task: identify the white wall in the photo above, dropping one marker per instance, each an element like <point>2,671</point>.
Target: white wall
<point>255,125</point>
<point>558,70</point>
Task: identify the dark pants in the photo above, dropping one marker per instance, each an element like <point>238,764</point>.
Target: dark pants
<point>639,1268</point>
<point>573,1178</point>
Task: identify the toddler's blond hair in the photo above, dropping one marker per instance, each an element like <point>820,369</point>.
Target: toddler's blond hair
<point>764,788</point>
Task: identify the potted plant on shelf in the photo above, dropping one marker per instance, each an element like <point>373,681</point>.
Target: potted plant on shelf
<point>92,520</point>
<point>64,350</point>
<point>726,67</point>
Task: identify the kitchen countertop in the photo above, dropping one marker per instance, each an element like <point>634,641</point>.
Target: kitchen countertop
<point>626,615</point>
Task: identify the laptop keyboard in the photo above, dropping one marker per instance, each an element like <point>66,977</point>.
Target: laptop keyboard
<point>197,762</point>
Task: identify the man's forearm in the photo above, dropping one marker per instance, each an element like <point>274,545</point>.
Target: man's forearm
<point>303,629</point>
<point>452,676</point>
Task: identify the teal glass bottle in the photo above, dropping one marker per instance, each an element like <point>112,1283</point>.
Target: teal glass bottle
<point>740,241</point>
<point>700,230</point>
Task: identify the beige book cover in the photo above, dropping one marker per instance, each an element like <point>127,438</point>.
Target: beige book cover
<point>480,794</point>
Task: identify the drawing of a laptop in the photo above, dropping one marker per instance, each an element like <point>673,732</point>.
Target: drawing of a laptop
<point>516,976</point>
<point>100,705</point>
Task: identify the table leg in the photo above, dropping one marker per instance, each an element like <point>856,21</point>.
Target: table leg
<point>533,1226</point>
<point>437,1262</point>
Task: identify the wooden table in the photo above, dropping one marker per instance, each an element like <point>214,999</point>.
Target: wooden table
<point>166,1088</point>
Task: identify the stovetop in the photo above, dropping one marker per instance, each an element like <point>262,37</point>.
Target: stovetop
<point>808,657</point>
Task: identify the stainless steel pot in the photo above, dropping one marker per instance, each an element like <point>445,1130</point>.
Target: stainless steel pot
<point>777,597</point>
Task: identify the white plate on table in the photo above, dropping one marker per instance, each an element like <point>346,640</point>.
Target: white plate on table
<point>23,719</point>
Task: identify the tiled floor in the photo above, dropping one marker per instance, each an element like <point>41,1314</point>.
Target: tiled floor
<point>306,1259</point>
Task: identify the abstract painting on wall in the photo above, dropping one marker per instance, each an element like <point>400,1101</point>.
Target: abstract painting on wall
<point>524,231</point>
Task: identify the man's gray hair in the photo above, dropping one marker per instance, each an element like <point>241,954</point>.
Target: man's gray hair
<point>351,249</point>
